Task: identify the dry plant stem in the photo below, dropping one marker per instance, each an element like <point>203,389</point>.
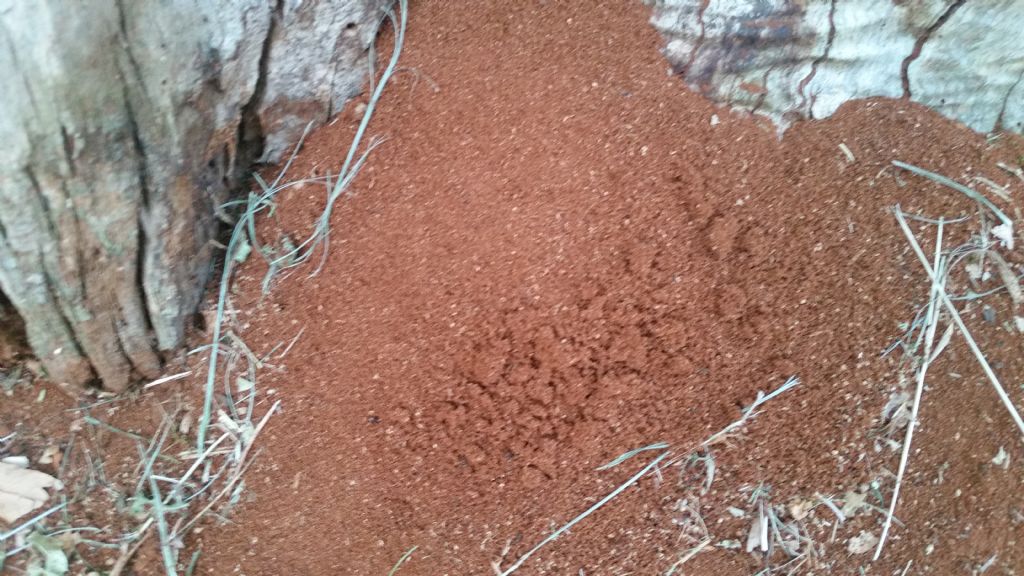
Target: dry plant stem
<point>688,556</point>
<point>167,379</point>
<point>748,413</point>
<point>554,535</point>
<point>129,553</point>
<point>243,466</point>
<point>932,319</point>
<point>1000,391</point>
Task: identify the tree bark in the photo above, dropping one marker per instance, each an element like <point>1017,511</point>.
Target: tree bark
<point>125,123</point>
<point>789,59</point>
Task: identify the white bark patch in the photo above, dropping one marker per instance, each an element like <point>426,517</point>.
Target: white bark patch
<point>790,60</point>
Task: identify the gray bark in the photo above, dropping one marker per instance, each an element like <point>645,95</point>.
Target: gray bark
<point>124,124</point>
<point>789,59</point>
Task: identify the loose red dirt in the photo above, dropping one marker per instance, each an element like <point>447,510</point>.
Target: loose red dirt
<point>557,257</point>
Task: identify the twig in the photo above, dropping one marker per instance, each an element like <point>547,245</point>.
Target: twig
<point>588,512</point>
<point>128,553</point>
<point>34,520</point>
<point>750,411</point>
<point>688,556</point>
<point>402,560</point>
<point>626,456</point>
<point>168,555</point>
<point>972,194</point>
<point>243,465</point>
<point>1000,391</point>
<point>166,379</point>
<point>932,319</point>
<point>292,343</point>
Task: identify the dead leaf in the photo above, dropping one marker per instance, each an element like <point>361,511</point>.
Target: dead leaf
<point>976,272</point>
<point>186,423</point>
<point>51,455</point>
<point>1009,278</point>
<point>1004,233</point>
<point>754,535</point>
<point>896,413</point>
<point>22,491</point>
<point>18,461</point>
<point>1002,458</point>
<point>50,560</point>
<point>852,502</point>
<point>799,509</point>
<point>758,538</point>
<point>862,543</point>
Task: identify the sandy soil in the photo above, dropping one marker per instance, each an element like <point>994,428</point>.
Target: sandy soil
<point>561,254</point>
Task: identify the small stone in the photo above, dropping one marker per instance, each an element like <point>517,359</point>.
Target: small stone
<point>989,314</point>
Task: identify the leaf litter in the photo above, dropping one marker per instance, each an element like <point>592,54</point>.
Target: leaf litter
<point>23,490</point>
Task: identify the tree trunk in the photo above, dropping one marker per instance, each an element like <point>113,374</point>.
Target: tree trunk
<point>789,59</point>
<point>124,124</point>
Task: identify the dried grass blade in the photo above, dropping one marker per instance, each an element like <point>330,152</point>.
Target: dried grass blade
<point>932,321</point>
<point>971,343</point>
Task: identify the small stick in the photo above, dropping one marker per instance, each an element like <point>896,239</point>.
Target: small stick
<point>402,560</point>
<point>31,522</point>
<point>128,553</point>
<point>688,556</point>
<point>166,553</point>
<point>932,319</point>
<point>554,535</point>
<point>166,379</point>
<point>1000,391</point>
<point>292,343</point>
<point>243,465</point>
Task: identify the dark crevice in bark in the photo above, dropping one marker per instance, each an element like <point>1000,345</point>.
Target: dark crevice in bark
<point>919,45</point>
<point>1006,100</point>
<point>17,66</point>
<point>142,232</point>
<point>68,142</point>
<point>118,341</point>
<point>700,39</point>
<point>807,102</point>
<point>53,232</point>
<point>251,137</point>
<point>12,327</point>
<point>764,94</point>
<point>79,255</point>
<point>145,183</point>
<point>51,283</point>
<point>334,66</point>
<point>126,45</point>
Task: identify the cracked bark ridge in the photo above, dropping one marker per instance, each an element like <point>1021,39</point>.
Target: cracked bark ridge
<point>125,123</point>
<point>795,59</point>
